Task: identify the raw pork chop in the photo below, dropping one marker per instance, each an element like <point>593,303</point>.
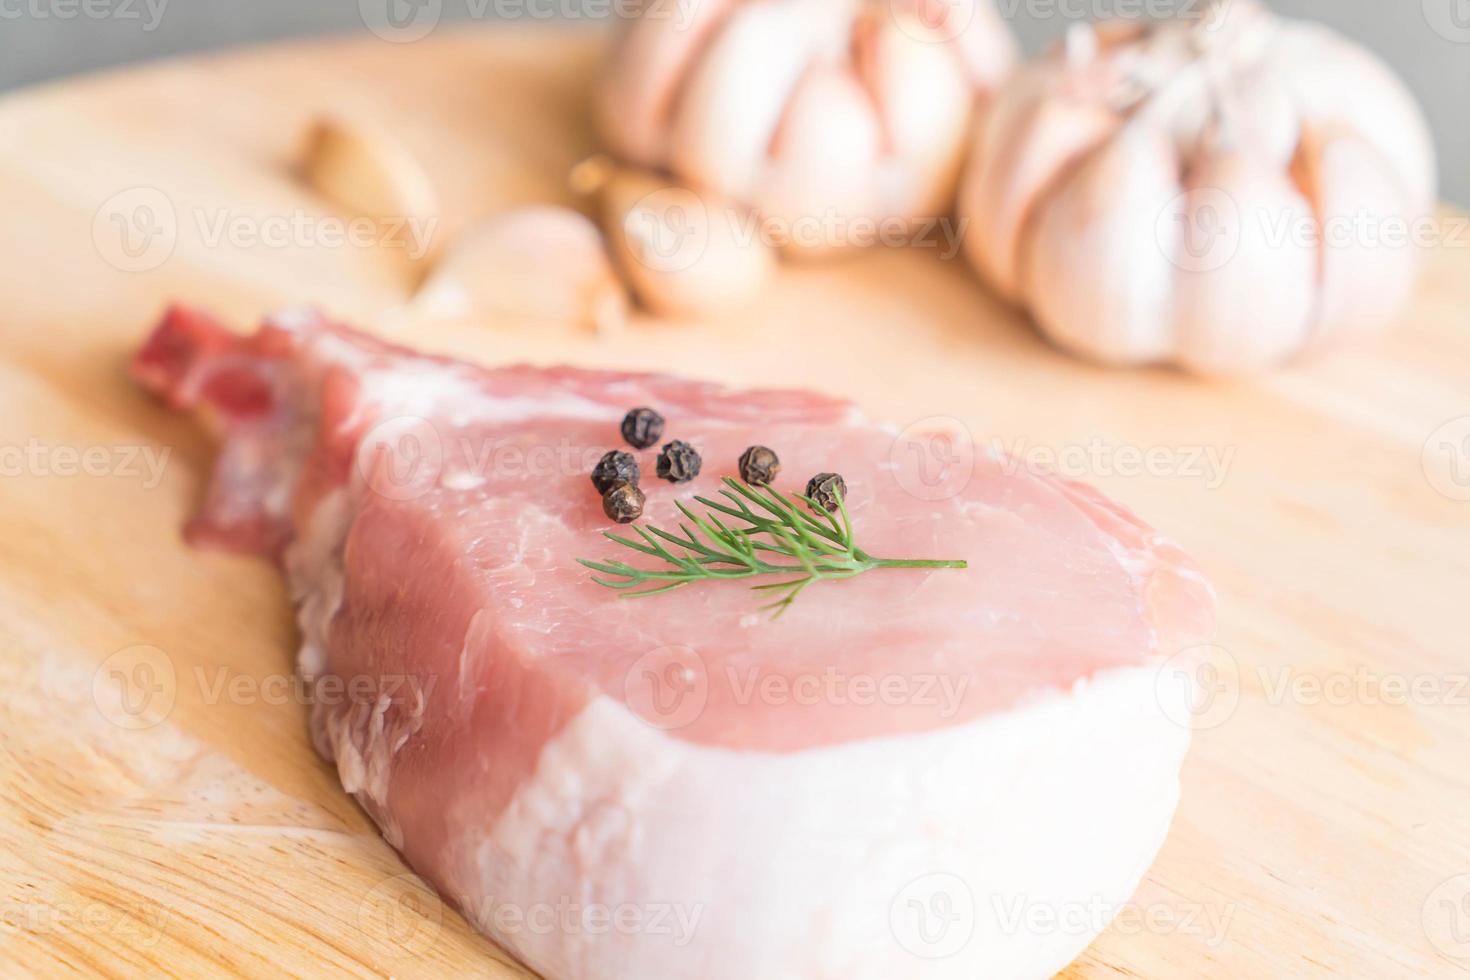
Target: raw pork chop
<point>875,785</point>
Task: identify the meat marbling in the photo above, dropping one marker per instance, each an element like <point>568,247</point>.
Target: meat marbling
<point>875,785</point>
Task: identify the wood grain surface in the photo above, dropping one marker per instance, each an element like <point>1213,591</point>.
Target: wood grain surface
<point>163,812</point>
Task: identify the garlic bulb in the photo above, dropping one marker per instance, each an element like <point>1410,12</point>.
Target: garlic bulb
<point>824,116</point>
<point>1223,192</point>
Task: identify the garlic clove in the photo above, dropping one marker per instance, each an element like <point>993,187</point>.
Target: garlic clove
<point>925,103</point>
<point>1023,146</point>
<point>683,253</point>
<point>1339,85</point>
<point>733,102</point>
<point>982,41</point>
<point>1247,266</point>
<point>638,91</point>
<point>1260,114</point>
<point>537,263</point>
<point>1096,262</point>
<point>368,171</point>
<point>821,173</point>
<point>1369,262</point>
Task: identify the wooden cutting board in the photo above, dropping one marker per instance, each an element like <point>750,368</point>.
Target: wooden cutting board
<point>164,813</point>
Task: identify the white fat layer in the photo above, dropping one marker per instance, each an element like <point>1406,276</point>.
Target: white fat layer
<point>919,855</point>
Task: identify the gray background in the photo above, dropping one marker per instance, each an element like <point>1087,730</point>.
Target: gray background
<point>1427,41</point>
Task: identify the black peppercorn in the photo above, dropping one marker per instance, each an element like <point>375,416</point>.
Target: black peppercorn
<point>623,503</point>
<point>827,489</point>
<point>678,462</point>
<point>759,466</point>
<point>614,467</point>
<point>642,427</point>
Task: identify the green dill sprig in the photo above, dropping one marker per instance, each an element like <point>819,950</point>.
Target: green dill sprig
<point>752,533</point>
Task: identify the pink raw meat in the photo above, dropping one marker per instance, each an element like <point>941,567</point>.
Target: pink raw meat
<point>525,737</point>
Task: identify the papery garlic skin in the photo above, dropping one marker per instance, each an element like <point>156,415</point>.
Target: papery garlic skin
<point>1222,194</point>
<point>807,111</point>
